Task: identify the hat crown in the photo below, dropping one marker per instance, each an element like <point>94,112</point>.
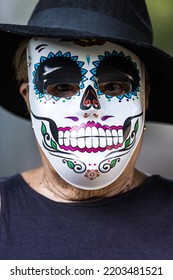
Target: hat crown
<point>118,15</point>
<point>124,22</point>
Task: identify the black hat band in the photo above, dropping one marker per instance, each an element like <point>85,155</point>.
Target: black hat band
<point>91,23</point>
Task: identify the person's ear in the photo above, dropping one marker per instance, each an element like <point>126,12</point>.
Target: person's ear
<point>24,91</point>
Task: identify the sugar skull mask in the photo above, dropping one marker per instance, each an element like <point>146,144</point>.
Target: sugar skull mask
<point>87,107</point>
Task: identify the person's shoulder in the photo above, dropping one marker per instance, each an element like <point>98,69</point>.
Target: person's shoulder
<point>4,180</point>
<point>159,182</point>
<point>162,180</point>
<point>8,181</point>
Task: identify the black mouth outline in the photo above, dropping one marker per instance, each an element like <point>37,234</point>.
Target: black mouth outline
<point>54,132</point>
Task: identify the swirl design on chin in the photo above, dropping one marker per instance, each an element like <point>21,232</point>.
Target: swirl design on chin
<point>76,166</point>
<point>106,165</point>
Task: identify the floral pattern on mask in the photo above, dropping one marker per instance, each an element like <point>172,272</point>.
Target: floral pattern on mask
<point>121,58</point>
<point>52,58</point>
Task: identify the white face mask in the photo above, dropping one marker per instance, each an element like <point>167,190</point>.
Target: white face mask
<point>87,108</point>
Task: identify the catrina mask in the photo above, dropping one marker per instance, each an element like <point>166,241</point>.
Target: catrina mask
<point>87,107</point>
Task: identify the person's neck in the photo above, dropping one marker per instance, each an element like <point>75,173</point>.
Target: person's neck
<point>52,186</point>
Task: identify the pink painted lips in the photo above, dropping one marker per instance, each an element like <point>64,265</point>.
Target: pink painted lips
<point>90,137</point>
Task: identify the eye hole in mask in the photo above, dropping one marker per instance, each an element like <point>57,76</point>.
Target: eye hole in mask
<point>117,76</point>
<point>115,83</point>
<point>58,76</point>
<point>62,90</point>
<point>115,88</point>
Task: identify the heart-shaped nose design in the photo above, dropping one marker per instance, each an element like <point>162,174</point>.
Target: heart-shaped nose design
<point>89,99</point>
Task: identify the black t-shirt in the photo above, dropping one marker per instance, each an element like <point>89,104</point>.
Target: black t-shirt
<point>134,225</point>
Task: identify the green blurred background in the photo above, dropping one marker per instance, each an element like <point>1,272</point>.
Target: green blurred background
<point>161,13</point>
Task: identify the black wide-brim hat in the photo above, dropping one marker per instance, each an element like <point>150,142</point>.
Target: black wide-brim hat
<point>125,22</point>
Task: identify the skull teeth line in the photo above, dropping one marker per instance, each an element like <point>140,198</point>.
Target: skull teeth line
<point>90,138</point>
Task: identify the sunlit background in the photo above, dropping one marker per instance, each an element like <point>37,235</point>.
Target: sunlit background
<point>161,12</point>
<point>18,150</point>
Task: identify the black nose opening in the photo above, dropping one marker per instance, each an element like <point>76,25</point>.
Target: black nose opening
<point>89,99</point>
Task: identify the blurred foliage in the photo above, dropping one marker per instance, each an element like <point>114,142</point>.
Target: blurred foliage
<point>161,14</point>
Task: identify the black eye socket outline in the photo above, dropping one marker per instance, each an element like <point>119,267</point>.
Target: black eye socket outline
<point>72,73</point>
<point>112,63</point>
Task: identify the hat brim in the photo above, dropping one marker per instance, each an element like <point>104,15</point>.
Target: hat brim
<point>158,63</point>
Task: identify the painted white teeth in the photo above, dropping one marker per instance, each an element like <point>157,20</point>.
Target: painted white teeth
<point>95,142</point>
<point>61,134</point>
<point>88,131</point>
<point>120,136</point>
<point>90,137</point>
<point>101,132</point>
<point>81,135</point>
<point>94,132</point>
<point>67,138</point>
<point>109,137</point>
<point>115,136</point>
<point>102,137</point>
<point>95,139</point>
<point>81,132</point>
<point>73,138</point>
<point>120,133</point>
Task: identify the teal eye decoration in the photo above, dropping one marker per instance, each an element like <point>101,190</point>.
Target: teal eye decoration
<point>62,68</point>
<point>116,61</point>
